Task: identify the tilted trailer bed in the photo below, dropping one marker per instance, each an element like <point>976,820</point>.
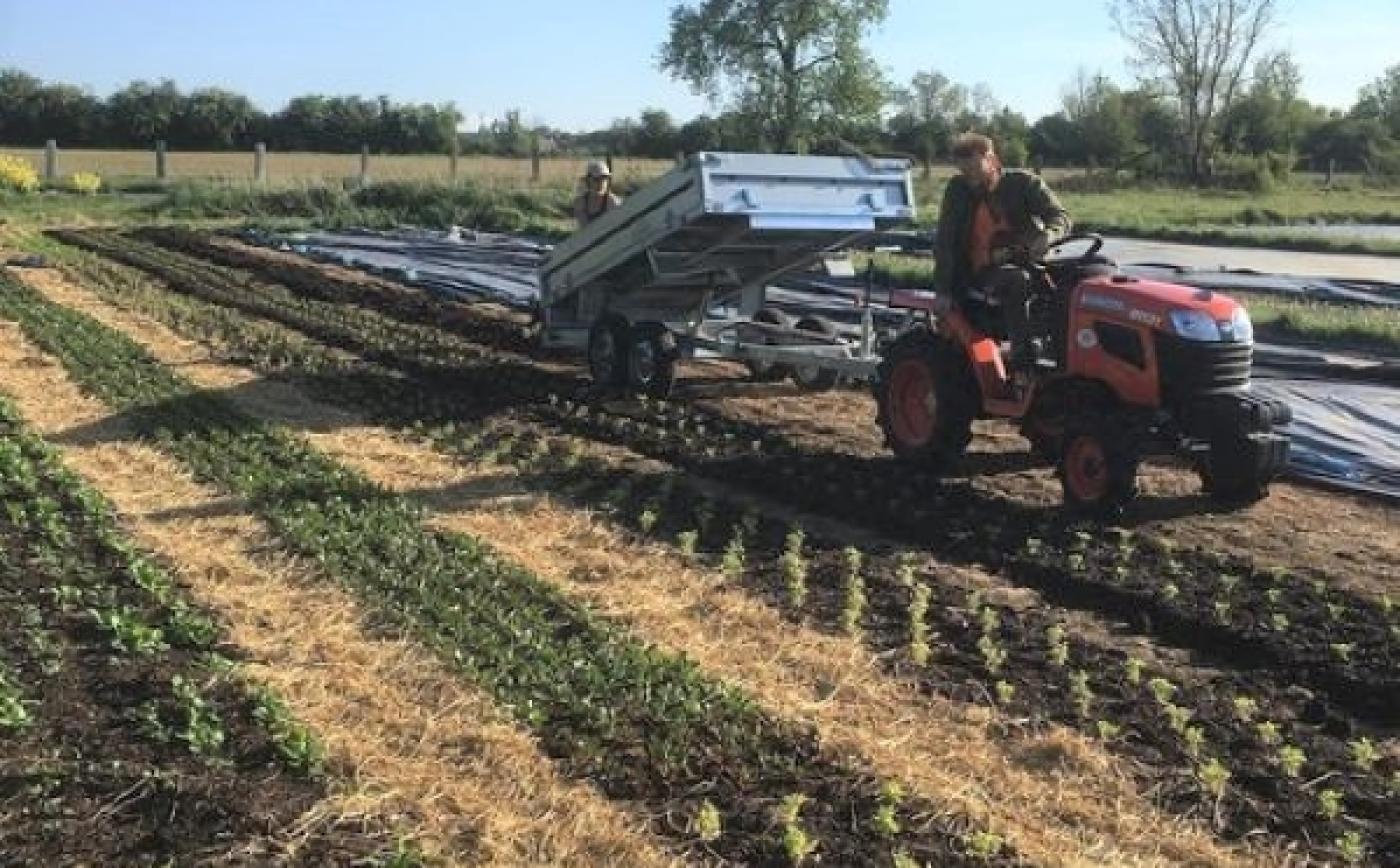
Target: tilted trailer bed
<point>681,268</point>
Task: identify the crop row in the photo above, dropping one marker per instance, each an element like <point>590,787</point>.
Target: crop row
<point>1309,633</point>
<point>1238,732</point>
<point>117,698</point>
<point>643,726</point>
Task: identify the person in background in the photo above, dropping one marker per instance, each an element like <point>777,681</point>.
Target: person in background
<point>597,197</point>
<point>993,223</point>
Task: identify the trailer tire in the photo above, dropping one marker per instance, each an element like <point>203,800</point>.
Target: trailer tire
<point>651,360</point>
<point>607,352</point>
<point>925,399</point>
<point>769,372</point>
<point>814,378</point>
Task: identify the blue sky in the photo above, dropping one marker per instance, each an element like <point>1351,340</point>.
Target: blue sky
<point>579,65</point>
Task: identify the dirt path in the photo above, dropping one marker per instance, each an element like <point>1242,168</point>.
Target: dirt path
<point>412,740</point>
<point>1059,798</point>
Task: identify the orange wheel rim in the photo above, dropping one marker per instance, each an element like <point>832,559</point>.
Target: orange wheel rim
<point>912,402</point>
<point>1086,468</point>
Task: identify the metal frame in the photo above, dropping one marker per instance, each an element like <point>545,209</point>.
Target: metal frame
<point>696,250</point>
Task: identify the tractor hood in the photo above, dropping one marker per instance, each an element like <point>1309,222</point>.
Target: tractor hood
<point>1188,312</point>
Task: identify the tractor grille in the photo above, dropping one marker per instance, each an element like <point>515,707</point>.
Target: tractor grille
<point>1193,368</point>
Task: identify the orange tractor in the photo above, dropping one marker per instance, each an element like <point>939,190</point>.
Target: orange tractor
<point>1127,368</point>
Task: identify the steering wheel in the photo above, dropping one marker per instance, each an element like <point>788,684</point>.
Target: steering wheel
<point>1085,258</point>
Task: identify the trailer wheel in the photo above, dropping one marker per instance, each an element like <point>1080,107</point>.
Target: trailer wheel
<point>1098,466</point>
<point>651,360</point>
<point>813,377</point>
<point>925,399</point>
<point>769,372</point>
<point>607,352</point>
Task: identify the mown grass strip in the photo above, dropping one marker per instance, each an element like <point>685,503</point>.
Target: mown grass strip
<point>641,725</point>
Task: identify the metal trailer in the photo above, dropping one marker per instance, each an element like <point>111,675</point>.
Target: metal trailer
<point>681,269</point>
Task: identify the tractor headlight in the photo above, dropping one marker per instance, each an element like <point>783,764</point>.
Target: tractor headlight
<point>1242,327</point>
<point>1195,325</point>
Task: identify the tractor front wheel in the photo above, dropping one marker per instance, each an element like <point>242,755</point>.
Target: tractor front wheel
<point>1098,466</point>
<point>607,352</point>
<point>926,399</point>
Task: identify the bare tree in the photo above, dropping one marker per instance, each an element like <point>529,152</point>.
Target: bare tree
<point>1201,48</point>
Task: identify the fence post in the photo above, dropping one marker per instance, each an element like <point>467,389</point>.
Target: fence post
<point>160,160</point>
<point>260,163</point>
<point>680,158</point>
<point>51,160</point>
<point>364,165</point>
<point>535,158</point>
<point>452,156</point>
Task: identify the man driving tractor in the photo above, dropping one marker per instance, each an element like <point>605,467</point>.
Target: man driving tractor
<point>993,223</point>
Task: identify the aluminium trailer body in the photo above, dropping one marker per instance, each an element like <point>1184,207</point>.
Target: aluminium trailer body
<point>682,267</point>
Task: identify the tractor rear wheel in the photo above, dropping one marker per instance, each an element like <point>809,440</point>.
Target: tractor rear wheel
<point>1098,465</point>
<point>926,399</point>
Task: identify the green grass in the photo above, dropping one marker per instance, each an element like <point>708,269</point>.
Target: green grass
<point>1335,325</point>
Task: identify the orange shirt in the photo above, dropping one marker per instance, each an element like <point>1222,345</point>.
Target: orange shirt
<point>985,226</point>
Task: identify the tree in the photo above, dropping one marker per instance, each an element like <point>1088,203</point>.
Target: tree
<point>1105,129</point>
<point>1381,100</point>
<point>928,109</point>
<point>1269,118</point>
<point>141,113</point>
<point>788,64</point>
<point>655,135</point>
<point>1201,49</point>
<point>214,119</point>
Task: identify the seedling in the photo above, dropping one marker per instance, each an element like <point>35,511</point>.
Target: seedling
<point>990,620</point>
<point>1279,621</point>
<point>992,655</point>
<point>1080,692</point>
<point>1329,804</point>
<point>1245,708</point>
<point>708,825</point>
<point>647,520</point>
<point>1058,654</point>
<point>1352,848</point>
<point>1178,717</point>
<point>298,746</point>
<point>1222,611</point>
<point>1132,670</point>
<point>884,822</point>
<point>983,845</point>
<point>855,599</point>
<point>1364,753</point>
<point>1195,739</point>
<point>906,572</point>
<point>1213,776</point>
<point>797,845</point>
<point>1291,759</point>
<point>1162,689</point>
<point>1107,730</point>
<point>1268,732</point>
<point>686,541</point>
<point>1342,651</point>
<point>1006,691</point>
<point>1170,592</point>
<point>918,626</point>
<point>732,563</point>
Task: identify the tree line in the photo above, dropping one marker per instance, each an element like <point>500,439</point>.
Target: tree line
<point>33,111</point>
<point>794,75</point>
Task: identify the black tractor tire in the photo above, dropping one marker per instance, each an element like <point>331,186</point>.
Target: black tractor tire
<point>812,378</point>
<point>651,360</point>
<point>926,399</point>
<point>769,372</point>
<point>607,352</point>
<point>1098,465</point>
<point>1233,473</point>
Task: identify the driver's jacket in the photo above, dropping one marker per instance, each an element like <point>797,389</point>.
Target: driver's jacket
<point>1033,216</point>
